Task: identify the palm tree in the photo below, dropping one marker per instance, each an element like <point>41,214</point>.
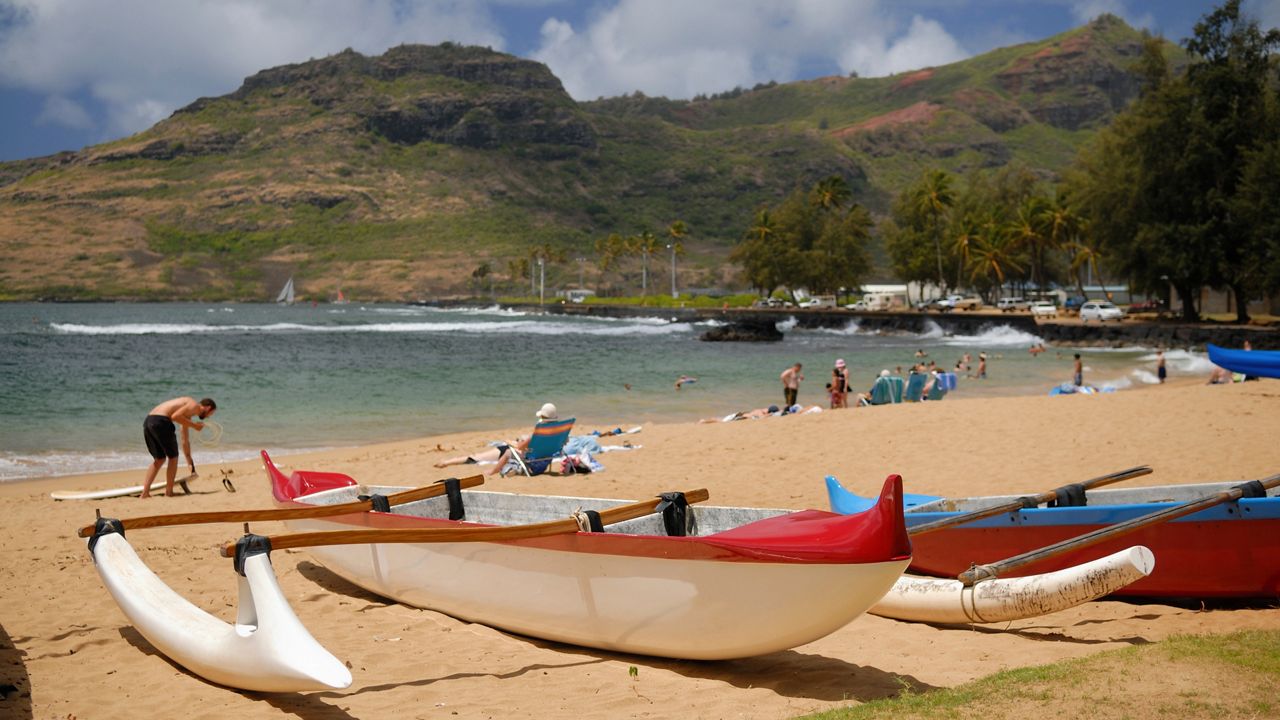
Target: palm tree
<point>676,233</point>
<point>761,226</point>
<point>610,249</point>
<point>831,193</point>
<point>517,269</point>
<point>933,197</point>
<point>994,257</point>
<point>1028,229</point>
<point>645,245</point>
<point>968,232</point>
<point>1085,253</point>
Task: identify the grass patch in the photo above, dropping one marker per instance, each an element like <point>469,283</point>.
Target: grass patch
<point>1211,677</point>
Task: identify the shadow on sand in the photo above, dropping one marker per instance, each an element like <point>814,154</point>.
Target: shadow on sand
<point>15,685</point>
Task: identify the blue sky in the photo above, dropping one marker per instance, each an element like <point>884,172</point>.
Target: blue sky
<point>79,72</point>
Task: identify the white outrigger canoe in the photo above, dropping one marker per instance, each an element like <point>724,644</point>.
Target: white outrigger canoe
<point>692,582</point>
<point>718,583</point>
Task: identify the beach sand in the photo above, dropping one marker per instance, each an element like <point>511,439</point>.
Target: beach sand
<point>70,646</point>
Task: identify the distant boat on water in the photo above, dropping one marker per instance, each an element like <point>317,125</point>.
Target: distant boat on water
<point>342,299</point>
<point>286,293</point>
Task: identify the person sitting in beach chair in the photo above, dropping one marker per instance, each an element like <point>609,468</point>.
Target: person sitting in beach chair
<point>535,455</point>
<point>529,455</point>
<point>886,390</point>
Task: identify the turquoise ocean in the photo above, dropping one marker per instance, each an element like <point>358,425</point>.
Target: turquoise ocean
<point>77,379</point>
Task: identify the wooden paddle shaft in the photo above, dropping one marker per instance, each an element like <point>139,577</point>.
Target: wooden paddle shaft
<point>992,570</point>
<point>400,498</point>
<point>1014,505</point>
<point>489,533</point>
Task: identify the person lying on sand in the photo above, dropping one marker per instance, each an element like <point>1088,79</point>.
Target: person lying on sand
<point>747,415</point>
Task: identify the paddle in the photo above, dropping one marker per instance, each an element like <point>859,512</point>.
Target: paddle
<point>984,572</point>
<point>1029,501</point>
<point>196,518</point>
<point>463,534</point>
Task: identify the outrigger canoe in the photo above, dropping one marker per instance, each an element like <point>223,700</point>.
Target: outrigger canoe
<point>1254,363</point>
<point>718,583</point>
<point>1229,550</point>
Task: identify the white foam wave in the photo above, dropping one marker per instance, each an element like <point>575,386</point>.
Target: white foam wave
<point>932,331</point>
<point>850,329</point>
<point>641,326</point>
<point>998,336</point>
<point>18,466</point>
<point>1118,384</point>
<point>1145,377</point>
<point>785,326</point>
<point>1183,361</point>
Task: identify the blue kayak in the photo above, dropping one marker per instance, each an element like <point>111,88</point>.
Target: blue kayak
<point>1261,363</point>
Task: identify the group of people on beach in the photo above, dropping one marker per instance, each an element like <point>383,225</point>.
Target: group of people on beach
<point>841,388</point>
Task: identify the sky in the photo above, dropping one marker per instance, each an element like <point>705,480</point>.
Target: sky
<point>80,72</point>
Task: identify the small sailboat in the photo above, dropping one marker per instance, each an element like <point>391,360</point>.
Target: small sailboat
<point>286,293</point>
<point>342,299</point>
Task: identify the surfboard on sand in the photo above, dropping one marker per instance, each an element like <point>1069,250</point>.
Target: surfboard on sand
<point>157,485</point>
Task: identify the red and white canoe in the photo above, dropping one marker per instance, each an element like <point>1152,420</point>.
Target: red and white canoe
<point>742,582</point>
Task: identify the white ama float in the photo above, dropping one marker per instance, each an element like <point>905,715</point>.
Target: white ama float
<point>266,650</point>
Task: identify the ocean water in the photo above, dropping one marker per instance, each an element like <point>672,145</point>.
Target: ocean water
<point>77,379</point>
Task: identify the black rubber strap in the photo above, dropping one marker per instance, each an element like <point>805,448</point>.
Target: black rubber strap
<point>380,502</point>
<point>1252,489</point>
<point>453,490</point>
<point>104,526</point>
<point>1028,502</point>
<point>593,520</point>
<point>674,508</point>
<point>248,546</point>
<point>1069,496</point>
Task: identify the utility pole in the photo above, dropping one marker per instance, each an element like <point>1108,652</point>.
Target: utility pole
<point>542,282</point>
<point>672,248</point>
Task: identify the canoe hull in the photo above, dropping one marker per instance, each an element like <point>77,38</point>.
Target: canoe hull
<point>691,609</point>
<point>745,582</point>
<point>1232,550</point>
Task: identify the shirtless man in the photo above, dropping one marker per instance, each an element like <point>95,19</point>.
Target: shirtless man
<point>161,436</point>
<point>791,378</point>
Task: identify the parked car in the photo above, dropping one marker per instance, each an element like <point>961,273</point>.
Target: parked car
<point>1074,302</point>
<point>1145,306</point>
<point>925,304</point>
<point>968,302</point>
<point>1010,304</point>
<point>945,304</point>
<point>1043,308</point>
<point>1100,311</point>
<point>860,306</point>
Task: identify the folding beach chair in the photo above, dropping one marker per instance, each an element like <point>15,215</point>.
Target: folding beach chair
<point>896,388</point>
<point>546,443</point>
<point>938,391</point>
<point>915,387</point>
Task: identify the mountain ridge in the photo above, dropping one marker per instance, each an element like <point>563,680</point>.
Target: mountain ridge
<point>396,176</point>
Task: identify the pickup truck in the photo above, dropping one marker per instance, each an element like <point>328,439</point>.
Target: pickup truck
<point>1011,304</point>
<point>969,302</point>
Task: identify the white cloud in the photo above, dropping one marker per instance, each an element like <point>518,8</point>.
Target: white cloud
<point>62,111</point>
<point>143,59</point>
<point>1086,10</point>
<point>925,44</point>
<point>679,48</point>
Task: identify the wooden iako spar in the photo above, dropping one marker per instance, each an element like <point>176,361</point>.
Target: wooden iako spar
<point>978,573</point>
<point>464,534</point>
<point>400,498</point>
<point>1029,501</point>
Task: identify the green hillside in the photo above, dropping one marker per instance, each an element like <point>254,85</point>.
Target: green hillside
<point>397,176</point>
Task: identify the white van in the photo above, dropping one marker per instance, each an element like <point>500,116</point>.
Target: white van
<point>880,300</point>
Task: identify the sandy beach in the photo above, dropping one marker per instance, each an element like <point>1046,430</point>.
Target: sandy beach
<point>70,652</point>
